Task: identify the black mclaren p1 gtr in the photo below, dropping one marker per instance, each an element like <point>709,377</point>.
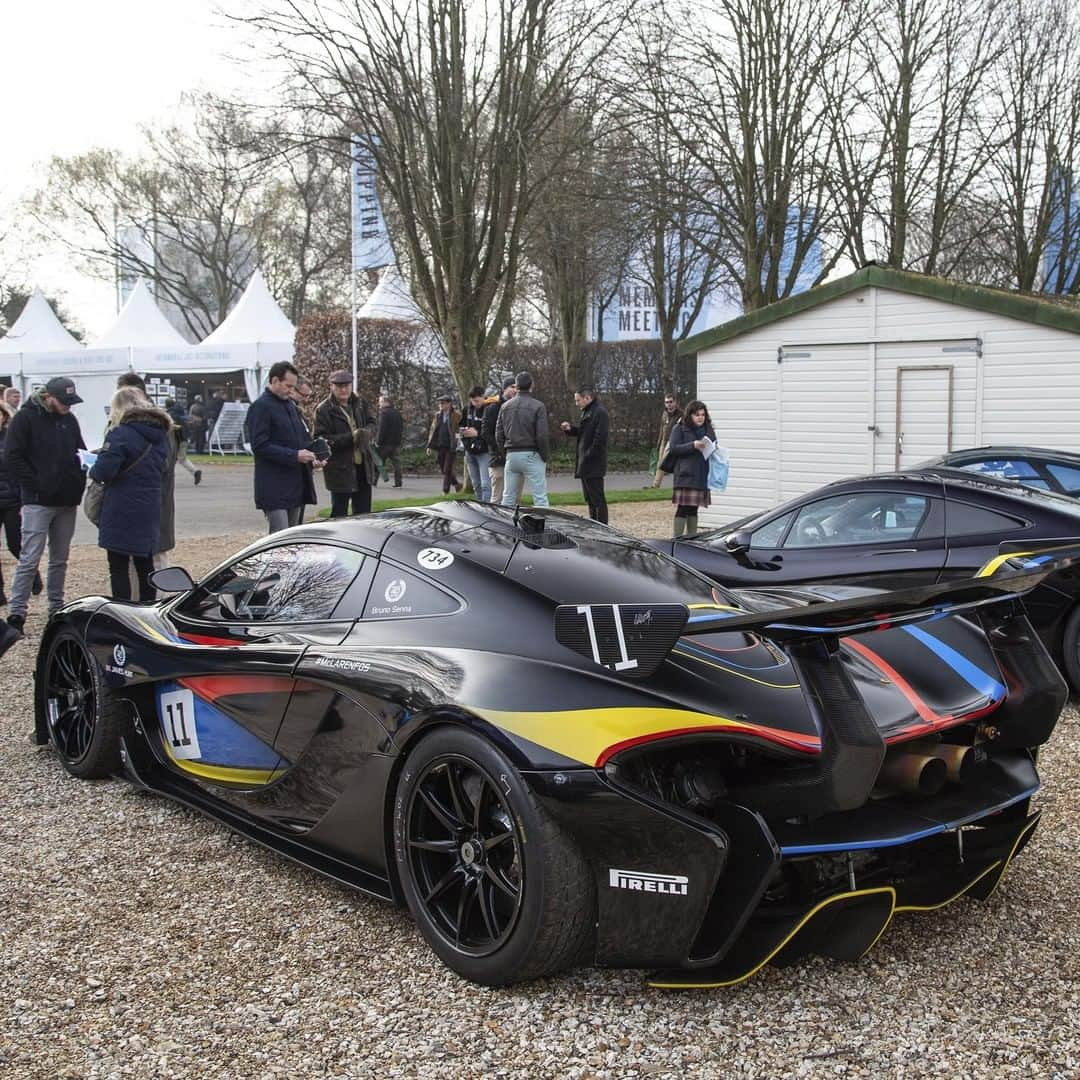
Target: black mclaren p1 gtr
<point>558,746</point>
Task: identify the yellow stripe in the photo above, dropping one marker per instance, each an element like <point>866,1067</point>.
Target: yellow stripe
<point>885,889</point>
<point>990,568</point>
<point>1012,854</point>
<point>154,633</point>
<point>716,607</point>
<point>220,772</point>
<point>738,674</point>
<point>956,896</point>
<point>584,734</point>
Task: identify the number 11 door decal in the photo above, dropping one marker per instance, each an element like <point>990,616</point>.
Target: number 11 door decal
<point>177,711</point>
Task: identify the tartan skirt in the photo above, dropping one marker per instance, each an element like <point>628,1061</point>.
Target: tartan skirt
<point>690,497</point>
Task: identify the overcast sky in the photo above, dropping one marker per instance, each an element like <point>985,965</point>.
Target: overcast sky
<point>81,73</point>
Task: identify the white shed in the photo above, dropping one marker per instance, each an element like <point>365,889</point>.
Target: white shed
<point>880,370</point>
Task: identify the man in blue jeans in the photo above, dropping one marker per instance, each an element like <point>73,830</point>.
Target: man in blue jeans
<point>42,454</point>
<point>521,432</point>
<point>477,451</point>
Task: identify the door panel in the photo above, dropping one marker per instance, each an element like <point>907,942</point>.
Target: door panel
<point>924,410</point>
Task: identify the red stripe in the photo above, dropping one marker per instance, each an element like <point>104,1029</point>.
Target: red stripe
<point>792,742</point>
<point>212,687</point>
<point>202,639</point>
<point>932,721</point>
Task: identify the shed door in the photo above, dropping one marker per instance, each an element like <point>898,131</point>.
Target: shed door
<point>825,411</point>
<point>924,409</point>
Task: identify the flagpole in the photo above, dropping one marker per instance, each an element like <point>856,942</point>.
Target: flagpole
<point>352,253</point>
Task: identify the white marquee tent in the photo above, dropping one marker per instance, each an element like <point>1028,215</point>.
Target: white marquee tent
<point>255,335</point>
<point>390,299</point>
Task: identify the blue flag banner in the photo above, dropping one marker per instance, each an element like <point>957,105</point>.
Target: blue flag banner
<point>370,239</point>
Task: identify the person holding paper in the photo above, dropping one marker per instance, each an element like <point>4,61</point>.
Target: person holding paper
<point>693,440</point>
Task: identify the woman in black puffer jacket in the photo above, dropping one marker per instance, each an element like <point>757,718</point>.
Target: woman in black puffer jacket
<point>10,505</point>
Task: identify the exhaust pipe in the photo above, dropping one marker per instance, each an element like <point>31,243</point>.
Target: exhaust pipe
<point>913,774</point>
<point>960,761</point>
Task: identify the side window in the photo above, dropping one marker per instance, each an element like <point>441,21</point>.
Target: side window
<point>1004,468</point>
<point>1066,475</point>
<point>398,594</point>
<point>292,583</point>
<point>872,517</point>
<point>769,535</point>
<point>1011,469</point>
<point>964,519</point>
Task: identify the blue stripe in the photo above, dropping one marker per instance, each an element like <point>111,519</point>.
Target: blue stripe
<point>909,838</point>
<point>971,673</point>
<point>715,615</point>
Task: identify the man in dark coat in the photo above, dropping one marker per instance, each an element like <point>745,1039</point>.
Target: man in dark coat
<point>344,421</point>
<point>442,440</point>
<point>497,462</point>
<point>389,434</point>
<point>591,432</point>
<point>671,415</point>
<point>42,453</point>
<point>197,424</point>
<point>279,443</point>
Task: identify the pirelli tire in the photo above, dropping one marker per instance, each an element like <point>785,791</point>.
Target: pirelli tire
<point>498,890</point>
<point>84,721</point>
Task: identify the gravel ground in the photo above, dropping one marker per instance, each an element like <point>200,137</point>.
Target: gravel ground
<point>142,940</point>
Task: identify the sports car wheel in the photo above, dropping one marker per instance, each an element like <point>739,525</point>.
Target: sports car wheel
<point>1070,650</point>
<point>82,720</point>
<point>499,892</point>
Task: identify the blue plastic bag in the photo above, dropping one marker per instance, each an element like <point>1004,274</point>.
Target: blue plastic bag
<point>718,469</point>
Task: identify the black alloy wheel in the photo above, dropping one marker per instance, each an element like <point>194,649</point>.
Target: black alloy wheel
<point>465,855</point>
<point>499,891</point>
<point>79,713</point>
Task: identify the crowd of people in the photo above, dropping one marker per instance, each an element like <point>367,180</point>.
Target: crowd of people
<point>127,485</point>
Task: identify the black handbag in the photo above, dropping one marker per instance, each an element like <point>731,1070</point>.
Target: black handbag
<point>667,462</point>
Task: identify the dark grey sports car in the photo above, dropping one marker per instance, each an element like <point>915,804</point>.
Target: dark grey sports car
<point>896,530</point>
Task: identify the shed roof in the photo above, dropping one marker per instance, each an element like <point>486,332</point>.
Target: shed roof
<point>1059,313</point>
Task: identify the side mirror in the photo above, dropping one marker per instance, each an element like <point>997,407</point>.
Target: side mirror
<point>172,579</point>
<point>737,543</point>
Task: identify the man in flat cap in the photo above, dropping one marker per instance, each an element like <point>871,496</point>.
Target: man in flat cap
<point>42,453</point>
<point>442,440</point>
<point>348,427</point>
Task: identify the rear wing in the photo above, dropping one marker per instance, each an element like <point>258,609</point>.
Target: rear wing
<point>1020,555</point>
<point>634,639</point>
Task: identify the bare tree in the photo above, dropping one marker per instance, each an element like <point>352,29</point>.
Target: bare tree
<point>1035,109</point>
<point>678,260</point>
<point>908,153</point>
<point>202,203</point>
<point>583,231</point>
<point>754,110</point>
<point>450,98</point>
<point>180,215</point>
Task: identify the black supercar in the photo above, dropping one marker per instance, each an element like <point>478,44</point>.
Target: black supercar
<point>559,746</point>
